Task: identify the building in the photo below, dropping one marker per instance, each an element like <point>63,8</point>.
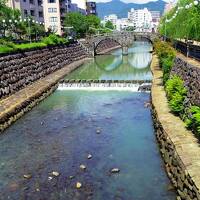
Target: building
<point>141,19</point>
<point>155,20</point>
<point>54,13</point>
<point>28,8</point>
<point>123,24</point>
<point>112,18</point>
<point>91,8</point>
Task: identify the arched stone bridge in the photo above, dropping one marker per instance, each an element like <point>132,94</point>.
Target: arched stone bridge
<point>124,39</point>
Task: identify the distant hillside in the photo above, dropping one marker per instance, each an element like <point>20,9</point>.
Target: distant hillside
<point>121,9</point>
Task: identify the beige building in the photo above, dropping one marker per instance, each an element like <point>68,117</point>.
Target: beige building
<point>28,8</point>
<point>54,13</point>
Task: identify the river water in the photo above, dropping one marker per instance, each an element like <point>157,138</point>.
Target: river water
<point>60,133</point>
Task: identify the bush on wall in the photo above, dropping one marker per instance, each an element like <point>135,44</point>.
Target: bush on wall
<point>176,94</point>
<point>166,56</point>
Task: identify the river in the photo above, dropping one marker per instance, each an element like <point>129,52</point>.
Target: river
<point>114,127</point>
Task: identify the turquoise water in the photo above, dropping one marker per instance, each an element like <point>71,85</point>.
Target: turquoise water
<point>115,66</point>
<point>67,135</point>
<point>59,133</point>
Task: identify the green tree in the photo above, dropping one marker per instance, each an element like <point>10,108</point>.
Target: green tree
<point>93,21</point>
<point>109,25</point>
<point>185,24</point>
<point>78,22</point>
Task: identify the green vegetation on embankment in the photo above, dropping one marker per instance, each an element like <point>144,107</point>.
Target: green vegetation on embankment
<point>175,89</point>
<point>51,40</point>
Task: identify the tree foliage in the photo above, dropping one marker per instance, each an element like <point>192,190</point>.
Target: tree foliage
<point>109,25</point>
<point>82,24</point>
<point>185,24</point>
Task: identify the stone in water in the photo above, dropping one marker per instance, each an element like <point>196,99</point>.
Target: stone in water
<point>89,156</point>
<point>27,176</point>
<point>83,167</point>
<point>55,174</point>
<point>115,170</point>
<point>78,185</point>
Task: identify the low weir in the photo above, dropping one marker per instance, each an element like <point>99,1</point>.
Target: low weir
<point>107,85</point>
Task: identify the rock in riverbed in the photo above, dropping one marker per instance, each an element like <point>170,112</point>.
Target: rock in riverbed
<point>55,173</point>
<point>98,131</point>
<point>83,167</point>
<point>78,185</point>
<point>115,170</point>
<point>89,156</point>
<point>27,176</point>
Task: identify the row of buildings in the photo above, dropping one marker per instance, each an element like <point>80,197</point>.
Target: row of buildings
<point>52,12</point>
<point>141,20</point>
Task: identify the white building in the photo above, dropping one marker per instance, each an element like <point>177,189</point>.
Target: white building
<point>141,19</point>
<point>123,24</point>
<point>112,18</point>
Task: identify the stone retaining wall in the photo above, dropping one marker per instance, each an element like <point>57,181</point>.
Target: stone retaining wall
<point>21,69</point>
<point>179,147</point>
<point>191,75</point>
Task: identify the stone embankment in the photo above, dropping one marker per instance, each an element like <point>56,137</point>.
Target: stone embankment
<point>21,69</point>
<point>189,70</point>
<point>14,106</point>
<point>179,147</point>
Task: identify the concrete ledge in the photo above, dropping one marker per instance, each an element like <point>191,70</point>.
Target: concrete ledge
<point>179,147</point>
<point>14,106</point>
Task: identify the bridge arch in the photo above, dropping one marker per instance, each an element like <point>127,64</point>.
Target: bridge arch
<point>143,38</point>
<point>101,41</point>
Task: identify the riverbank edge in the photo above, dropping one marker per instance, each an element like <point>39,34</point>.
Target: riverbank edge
<point>178,146</point>
<point>35,93</point>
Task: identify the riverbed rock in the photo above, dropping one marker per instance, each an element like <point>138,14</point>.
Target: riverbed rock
<point>89,156</point>
<point>27,176</point>
<point>54,173</point>
<point>83,167</point>
<point>115,170</point>
<point>71,177</point>
<point>50,178</point>
<point>98,130</point>
<point>78,185</point>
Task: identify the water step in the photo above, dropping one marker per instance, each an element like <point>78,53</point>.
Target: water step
<point>135,87</point>
<point>104,81</point>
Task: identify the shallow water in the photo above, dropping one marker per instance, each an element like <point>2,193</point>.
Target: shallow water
<point>67,135</point>
<point>59,133</point>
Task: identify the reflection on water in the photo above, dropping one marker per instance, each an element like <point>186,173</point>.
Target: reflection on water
<point>115,66</point>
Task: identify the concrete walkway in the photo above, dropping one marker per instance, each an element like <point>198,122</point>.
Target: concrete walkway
<point>13,102</point>
<point>186,148</point>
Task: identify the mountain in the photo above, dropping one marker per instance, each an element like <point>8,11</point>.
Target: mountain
<point>121,9</point>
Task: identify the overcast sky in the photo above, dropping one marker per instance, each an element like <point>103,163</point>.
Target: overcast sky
<point>82,2</point>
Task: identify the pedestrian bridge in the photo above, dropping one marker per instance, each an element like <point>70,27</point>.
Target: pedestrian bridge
<point>124,39</point>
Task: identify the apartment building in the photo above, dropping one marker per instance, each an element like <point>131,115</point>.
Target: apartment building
<point>28,8</point>
<point>142,19</point>
<point>91,8</point>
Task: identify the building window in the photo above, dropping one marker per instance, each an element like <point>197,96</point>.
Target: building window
<point>53,19</point>
<point>39,3</point>
<point>32,13</point>
<point>25,13</point>
<point>51,1</point>
<point>40,14</point>
<point>31,1</point>
<point>52,10</point>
